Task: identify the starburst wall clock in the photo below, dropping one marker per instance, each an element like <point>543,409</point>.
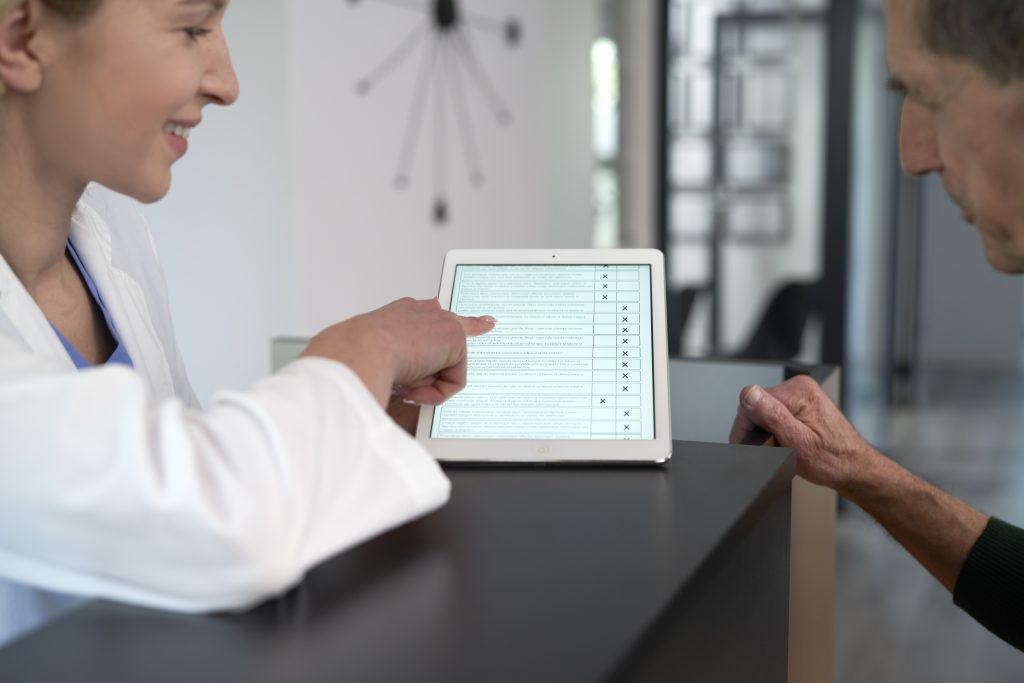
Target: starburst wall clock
<point>450,74</point>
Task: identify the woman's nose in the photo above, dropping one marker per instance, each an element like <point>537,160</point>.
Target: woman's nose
<point>221,84</point>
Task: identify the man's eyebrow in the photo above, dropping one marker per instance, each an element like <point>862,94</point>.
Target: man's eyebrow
<point>898,86</point>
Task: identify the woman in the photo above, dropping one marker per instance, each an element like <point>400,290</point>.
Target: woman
<point>113,481</point>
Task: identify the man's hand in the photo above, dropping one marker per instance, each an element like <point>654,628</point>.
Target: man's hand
<point>932,525</point>
<point>829,450</point>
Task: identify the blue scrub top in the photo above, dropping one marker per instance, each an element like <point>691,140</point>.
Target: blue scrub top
<point>120,354</point>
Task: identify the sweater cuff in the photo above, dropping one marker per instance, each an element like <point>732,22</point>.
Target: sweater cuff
<point>991,583</point>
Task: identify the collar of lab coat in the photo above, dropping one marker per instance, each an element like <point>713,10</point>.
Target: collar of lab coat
<point>122,294</point>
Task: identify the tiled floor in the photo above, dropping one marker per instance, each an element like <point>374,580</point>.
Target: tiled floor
<point>894,622</point>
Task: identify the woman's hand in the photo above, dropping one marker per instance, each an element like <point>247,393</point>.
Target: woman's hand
<point>406,415</point>
<point>414,347</point>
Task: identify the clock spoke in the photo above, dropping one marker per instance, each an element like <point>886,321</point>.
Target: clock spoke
<point>481,79</point>
<point>414,121</point>
<point>464,120</point>
<point>412,5</point>
<point>394,60</point>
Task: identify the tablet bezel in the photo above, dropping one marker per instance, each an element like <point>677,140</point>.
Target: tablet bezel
<point>565,451</point>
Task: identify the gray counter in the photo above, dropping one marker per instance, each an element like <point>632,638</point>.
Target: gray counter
<point>681,572</point>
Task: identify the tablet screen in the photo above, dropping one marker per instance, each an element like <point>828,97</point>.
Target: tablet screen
<point>570,358</point>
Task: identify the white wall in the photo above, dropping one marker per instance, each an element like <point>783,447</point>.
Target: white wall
<point>357,241</point>
<point>283,217</point>
<point>220,230</point>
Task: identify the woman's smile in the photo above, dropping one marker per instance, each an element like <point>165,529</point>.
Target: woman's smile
<point>177,136</point>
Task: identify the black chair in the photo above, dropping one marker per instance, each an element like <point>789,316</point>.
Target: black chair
<point>779,334</point>
<point>678,307</point>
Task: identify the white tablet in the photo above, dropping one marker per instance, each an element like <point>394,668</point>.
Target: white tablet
<point>575,371</point>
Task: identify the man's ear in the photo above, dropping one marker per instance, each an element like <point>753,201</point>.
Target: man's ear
<point>20,68</point>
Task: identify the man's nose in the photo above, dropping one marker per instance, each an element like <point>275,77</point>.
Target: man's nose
<point>919,149</point>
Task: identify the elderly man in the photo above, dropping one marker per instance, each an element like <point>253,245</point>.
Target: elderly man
<point>960,64</point>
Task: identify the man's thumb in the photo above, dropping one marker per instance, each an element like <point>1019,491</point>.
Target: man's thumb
<point>768,413</point>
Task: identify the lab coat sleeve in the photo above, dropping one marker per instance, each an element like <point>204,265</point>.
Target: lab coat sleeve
<point>108,492</point>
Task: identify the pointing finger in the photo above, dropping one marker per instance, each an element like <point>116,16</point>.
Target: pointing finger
<point>475,327</point>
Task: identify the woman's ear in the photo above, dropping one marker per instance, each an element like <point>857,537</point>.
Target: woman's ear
<point>20,68</point>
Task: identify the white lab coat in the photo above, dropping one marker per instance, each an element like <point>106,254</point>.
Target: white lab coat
<point>115,483</point>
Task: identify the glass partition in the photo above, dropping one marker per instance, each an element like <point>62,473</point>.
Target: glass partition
<point>746,107</point>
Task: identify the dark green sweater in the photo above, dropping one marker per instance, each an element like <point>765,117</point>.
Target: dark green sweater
<point>991,584</point>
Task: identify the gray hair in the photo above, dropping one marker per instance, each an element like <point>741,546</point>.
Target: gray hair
<point>989,33</point>
<point>7,5</point>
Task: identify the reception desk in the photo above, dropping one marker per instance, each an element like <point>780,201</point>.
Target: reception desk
<point>714,567</point>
